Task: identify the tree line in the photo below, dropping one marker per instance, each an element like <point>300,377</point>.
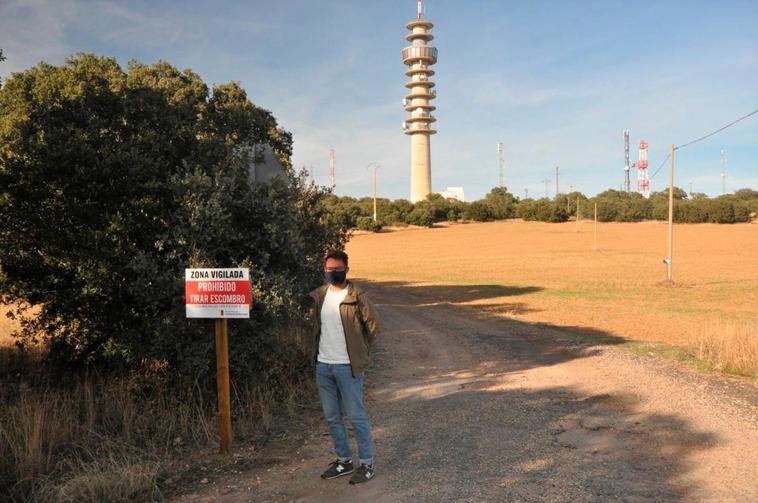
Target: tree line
<point>499,204</point>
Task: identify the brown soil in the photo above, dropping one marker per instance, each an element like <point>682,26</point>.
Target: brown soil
<point>468,405</point>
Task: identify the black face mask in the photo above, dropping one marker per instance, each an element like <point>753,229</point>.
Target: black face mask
<point>335,277</point>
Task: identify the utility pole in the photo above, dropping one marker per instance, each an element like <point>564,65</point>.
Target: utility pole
<point>375,194</point>
<point>568,199</point>
<point>627,166</point>
<point>501,163</point>
<point>723,170</point>
<point>557,178</point>
<point>668,261</point>
<point>526,193</point>
<point>376,167</point>
<point>332,177</point>
<point>546,181</point>
<point>594,245</point>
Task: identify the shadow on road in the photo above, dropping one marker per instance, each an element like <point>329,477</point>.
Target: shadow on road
<point>460,415</point>
<point>551,444</point>
<point>457,293</point>
<point>444,308</point>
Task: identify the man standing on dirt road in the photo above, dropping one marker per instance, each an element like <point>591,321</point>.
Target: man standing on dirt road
<point>345,326</point>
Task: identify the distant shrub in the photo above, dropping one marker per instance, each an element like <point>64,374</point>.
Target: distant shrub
<point>422,216</point>
<point>525,209</point>
<point>478,211</point>
<point>501,204</point>
<point>368,224</point>
<point>541,210</point>
<point>721,211</point>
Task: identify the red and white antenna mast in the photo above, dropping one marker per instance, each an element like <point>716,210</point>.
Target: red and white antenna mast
<point>643,181</point>
<point>419,10</point>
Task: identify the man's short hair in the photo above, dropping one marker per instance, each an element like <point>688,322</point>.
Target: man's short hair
<point>337,255</point>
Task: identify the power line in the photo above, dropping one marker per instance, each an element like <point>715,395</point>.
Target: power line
<point>718,130</point>
<point>704,137</point>
<point>659,167</point>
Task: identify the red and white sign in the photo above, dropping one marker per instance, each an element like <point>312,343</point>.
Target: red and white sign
<point>217,293</point>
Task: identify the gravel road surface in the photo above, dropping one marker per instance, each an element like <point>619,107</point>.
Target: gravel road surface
<point>468,406</point>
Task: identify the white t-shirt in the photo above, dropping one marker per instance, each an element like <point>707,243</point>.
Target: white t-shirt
<point>332,347</point>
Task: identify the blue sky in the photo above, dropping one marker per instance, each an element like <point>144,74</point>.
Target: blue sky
<point>557,82</point>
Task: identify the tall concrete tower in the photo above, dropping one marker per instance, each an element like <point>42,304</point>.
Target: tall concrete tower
<point>419,56</point>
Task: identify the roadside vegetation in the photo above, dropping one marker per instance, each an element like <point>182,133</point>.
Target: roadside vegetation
<point>729,346</point>
<point>112,181</point>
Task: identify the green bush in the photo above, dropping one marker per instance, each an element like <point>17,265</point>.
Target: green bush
<point>541,210</point>
<point>439,206</point>
<point>398,212</point>
<point>478,211</point>
<point>501,203</point>
<point>569,200</point>
<point>112,182</point>
<point>525,209</point>
<point>421,215</point>
<point>368,224</point>
<point>344,211</point>
<point>549,211</point>
<point>721,211</point>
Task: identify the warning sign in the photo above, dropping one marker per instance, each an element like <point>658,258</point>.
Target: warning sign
<point>217,293</point>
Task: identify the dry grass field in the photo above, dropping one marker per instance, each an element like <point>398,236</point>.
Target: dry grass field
<point>549,273</point>
<point>7,326</point>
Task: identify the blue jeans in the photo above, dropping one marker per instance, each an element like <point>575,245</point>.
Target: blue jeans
<point>340,391</point>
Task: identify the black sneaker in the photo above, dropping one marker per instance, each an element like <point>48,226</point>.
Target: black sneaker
<point>364,473</point>
<point>337,468</point>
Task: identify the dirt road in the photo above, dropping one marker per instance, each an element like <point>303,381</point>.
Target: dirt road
<point>467,406</point>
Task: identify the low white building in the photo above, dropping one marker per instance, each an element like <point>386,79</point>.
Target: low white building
<point>453,193</point>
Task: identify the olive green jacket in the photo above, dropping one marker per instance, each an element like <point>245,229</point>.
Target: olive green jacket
<point>359,321</point>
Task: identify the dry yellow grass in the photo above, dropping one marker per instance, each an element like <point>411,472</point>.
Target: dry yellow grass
<point>97,441</point>
<point>6,327</point>
<point>106,440</point>
<point>548,273</point>
<point>729,346</point>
